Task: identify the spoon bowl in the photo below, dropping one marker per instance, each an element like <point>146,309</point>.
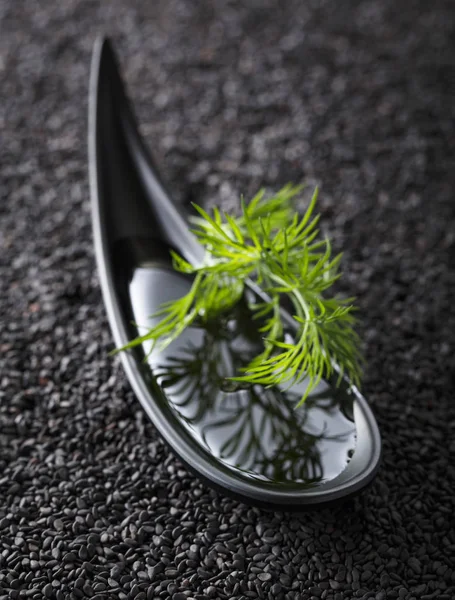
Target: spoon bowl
<point>249,442</point>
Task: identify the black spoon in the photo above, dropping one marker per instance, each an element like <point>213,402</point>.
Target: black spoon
<point>250,443</point>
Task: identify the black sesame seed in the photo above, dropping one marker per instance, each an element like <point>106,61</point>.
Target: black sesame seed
<point>92,504</point>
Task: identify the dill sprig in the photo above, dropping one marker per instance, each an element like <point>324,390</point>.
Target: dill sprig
<point>284,255</point>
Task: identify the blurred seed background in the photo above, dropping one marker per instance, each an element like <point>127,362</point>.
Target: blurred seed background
<point>355,96</point>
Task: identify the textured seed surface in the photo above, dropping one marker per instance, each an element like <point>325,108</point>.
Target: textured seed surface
<point>357,96</point>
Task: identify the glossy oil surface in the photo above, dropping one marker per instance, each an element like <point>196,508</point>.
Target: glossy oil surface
<point>254,431</point>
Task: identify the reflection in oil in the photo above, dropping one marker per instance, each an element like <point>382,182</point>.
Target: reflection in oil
<point>250,429</point>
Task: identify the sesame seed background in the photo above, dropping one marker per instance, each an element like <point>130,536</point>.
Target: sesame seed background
<point>356,96</point>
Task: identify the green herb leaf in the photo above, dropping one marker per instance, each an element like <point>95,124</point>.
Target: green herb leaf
<point>282,253</point>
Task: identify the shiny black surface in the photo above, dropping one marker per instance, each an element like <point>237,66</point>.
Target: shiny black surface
<point>257,432</point>
<point>134,224</point>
